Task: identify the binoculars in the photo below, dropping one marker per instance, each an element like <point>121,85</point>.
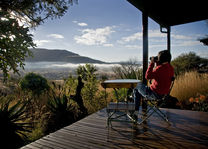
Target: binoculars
<point>155,58</point>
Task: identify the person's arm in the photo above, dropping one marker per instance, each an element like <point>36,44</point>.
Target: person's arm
<point>150,73</point>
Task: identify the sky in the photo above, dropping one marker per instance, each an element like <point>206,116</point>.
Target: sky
<point>111,31</point>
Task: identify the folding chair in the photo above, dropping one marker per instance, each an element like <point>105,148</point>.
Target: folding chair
<point>153,105</point>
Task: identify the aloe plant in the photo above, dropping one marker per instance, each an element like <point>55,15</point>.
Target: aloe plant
<point>12,125</point>
<point>61,113</point>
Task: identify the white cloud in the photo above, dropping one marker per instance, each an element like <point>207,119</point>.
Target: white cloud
<point>108,45</point>
<point>133,37</point>
<point>181,37</point>
<point>41,42</point>
<point>161,46</point>
<point>82,24</point>
<point>94,36</point>
<point>57,36</point>
<point>156,34</point>
<point>138,36</point>
<point>158,39</point>
<point>133,46</point>
<point>187,43</point>
<point>75,21</point>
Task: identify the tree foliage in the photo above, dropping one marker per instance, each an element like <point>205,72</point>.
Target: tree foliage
<point>87,71</point>
<point>14,43</point>
<point>204,40</point>
<point>188,62</point>
<point>16,16</point>
<point>36,11</point>
<point>129,70</point>
<point>93,99</point>
<point>34,83</point>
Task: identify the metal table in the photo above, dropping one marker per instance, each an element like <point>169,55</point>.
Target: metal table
<point>117,110</point>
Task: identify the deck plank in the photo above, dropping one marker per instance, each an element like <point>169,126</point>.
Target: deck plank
<point>188,129</point>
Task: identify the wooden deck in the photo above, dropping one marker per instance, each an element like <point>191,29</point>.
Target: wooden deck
<point>188,129</point>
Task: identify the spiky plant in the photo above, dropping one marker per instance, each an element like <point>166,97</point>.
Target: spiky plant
<point>61,113</point>
<point>12,124</point>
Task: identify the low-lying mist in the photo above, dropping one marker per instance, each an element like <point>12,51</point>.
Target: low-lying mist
<point>61,70</point>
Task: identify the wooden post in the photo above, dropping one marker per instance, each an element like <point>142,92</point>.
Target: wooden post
<point>145,51</point>
<point>145,44</point>
<point>168,38</point>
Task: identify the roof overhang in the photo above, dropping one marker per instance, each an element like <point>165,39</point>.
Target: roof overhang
<point>173,12</point>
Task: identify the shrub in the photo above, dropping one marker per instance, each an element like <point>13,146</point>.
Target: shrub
<point>13,126</point>
<point>34,83</point>
<point>129,70</point>
<point>86,71</point>
<point>61,113</point>
<point>199,103</point>
<point>188,62</point>
<point>189,85</point>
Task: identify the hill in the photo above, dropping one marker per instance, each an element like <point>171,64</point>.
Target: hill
<point>56,55</point>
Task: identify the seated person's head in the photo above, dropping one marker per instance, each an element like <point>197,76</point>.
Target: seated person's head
<point>164,56</point>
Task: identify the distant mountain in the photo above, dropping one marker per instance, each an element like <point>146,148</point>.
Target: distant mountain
<point>56,55</point>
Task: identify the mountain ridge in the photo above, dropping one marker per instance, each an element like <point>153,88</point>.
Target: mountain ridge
<point>58,55</point>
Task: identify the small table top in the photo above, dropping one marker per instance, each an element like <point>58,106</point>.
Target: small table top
<point>120,83</point>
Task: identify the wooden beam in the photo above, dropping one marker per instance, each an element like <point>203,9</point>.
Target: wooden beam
<point>145,51</point>
<point>145,44</point>
<point>168,38</point>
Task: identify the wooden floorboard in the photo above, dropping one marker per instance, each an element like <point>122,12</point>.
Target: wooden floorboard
<point>187,129</point>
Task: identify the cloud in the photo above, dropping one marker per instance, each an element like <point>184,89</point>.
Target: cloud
<point>156,34</point>
<point>138,36</point>
<point>41,42</point>
<point>82,24</point>
<point>57,36</point>
<point>133,37</point>
<point>95,36</point>
<point>108,45</point>
<point>187,43</point>
<point>158,39</point>
<point>133,46</point>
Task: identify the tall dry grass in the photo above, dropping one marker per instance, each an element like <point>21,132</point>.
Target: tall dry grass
<point>190,84</point>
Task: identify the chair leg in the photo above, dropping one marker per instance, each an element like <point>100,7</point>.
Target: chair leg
<point>143,120</point>
<point>164,116</point>
<point>150,111</point>
<point>160,113</point>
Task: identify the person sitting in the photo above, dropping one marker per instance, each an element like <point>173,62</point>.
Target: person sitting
<point>160,76</point>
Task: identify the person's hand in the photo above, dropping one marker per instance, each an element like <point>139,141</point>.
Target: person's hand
<point>152,59</point>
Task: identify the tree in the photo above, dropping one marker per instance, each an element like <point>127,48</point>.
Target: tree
<point>36,11</point>
<point>87,71</point>
<point>188,62</point>
<point>16,16</point>
<point>85,90</point>
<point>129,70</point>
<point>204,40</point>
<point>34,83</point>
<point>14,44</point>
